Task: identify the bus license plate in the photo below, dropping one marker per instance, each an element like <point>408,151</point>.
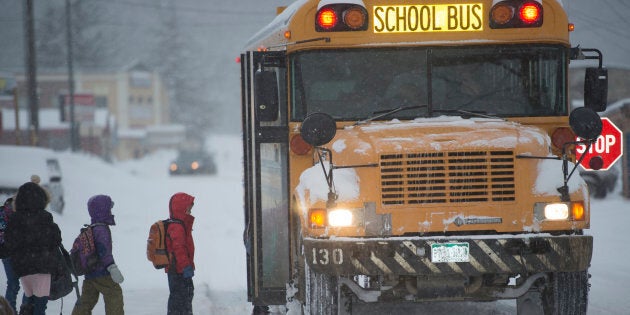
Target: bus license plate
<point>450,252</point>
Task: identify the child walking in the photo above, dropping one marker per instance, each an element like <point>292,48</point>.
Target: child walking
<point>13,282</point>
<point>181,250</point>
<point>32,239</point>
<point>106,278</point>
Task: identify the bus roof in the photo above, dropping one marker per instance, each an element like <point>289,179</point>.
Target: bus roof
<point>298,20</point>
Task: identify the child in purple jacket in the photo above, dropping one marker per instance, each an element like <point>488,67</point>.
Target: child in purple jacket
<point>106,278</point>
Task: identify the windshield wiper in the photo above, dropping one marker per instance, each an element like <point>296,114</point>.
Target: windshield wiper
<point>387,112</point>
<point>467,114</point>
<point>325,39</point>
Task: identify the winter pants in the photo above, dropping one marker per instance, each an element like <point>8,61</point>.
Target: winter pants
<point>181,294</point>
<point>13,284</point>
<point>92,288</point>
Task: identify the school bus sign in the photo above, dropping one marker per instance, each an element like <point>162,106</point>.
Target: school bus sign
<point>464,17</point>
<point>608,148</point>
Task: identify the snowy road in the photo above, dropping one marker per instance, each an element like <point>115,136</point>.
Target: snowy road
<point>141,191</point>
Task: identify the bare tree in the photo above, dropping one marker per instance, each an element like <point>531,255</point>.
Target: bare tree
<point>181,65</point>
<point>91,45</point>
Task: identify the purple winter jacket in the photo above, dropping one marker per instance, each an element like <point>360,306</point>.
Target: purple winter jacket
<point>100,209</point>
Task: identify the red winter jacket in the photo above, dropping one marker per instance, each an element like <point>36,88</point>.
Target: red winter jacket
<point>179,241</point>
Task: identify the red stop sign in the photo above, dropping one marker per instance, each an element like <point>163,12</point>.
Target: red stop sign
<point>609,146</point>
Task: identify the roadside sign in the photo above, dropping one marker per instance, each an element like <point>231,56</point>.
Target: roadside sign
<point>609,147</point>
<point>84,107</point>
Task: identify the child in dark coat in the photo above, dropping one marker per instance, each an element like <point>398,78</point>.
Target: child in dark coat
<point>13,281</point>
<point>33,240</point>
<point>106,278</point>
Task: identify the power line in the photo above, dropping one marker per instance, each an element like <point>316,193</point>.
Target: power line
<point>602,24</point>
<point>182,8</point>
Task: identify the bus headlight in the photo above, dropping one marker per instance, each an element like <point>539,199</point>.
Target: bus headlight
<point>340,217</point>
<point>319,218</point>
<point>556,211</point>
<point>560,211</point>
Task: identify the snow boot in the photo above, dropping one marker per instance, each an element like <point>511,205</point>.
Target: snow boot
<point>27,309</point>
<point>260,310</point>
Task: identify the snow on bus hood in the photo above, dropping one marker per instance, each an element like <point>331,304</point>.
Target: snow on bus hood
<point>313,186</point>
<point>550,178</point>
<point>362,144</point>
<point>435,134</point>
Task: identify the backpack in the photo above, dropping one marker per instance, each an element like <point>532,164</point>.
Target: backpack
<point>156,243</point>
<point>83,254</point>
<point>61,283</point>
<point>4,220</point>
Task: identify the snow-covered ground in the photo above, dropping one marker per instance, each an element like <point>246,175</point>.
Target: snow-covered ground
<point>141,190</point>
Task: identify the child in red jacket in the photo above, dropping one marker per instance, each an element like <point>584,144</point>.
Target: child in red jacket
<point>181,249</point>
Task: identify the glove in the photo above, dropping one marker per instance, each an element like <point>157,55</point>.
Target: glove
<point>115,273</point>
<point>188,272</point>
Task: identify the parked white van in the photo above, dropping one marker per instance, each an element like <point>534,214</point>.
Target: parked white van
<point>19,163</point>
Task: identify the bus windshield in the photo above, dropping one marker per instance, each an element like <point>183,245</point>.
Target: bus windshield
<point>356,84</point>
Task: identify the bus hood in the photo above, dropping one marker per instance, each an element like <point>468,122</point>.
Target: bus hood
<point>469,166</point>
<point>435,134</point>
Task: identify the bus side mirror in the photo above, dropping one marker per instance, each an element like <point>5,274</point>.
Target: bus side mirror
<point>266,95</point>
<point>596,89</point>
<point>318,129</point>
<point>585,123</point>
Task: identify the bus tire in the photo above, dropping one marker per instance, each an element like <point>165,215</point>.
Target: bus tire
<point>566,293</point>
<point>322,293</point>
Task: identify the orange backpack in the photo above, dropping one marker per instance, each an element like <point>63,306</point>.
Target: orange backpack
<point>157,252</point>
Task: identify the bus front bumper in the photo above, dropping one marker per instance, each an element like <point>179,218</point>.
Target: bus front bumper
<point>446,256</point>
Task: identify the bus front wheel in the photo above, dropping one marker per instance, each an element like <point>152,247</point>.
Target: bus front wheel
<point>566,293</point>
<point>322,293</point>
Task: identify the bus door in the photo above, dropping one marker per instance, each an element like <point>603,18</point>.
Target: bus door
<point>265,157</point>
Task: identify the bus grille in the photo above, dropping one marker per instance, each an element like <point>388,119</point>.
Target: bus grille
<point>447,177</point>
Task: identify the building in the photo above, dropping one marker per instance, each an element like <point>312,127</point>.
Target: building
<point>116,112</point>
<point>138,99</point>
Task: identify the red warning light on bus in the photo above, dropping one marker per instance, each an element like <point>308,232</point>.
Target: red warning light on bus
<point>529,13</point>
<point>327,18</point>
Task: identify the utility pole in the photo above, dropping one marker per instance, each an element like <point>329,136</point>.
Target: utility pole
<point>18,141</point>
<point>73,127</point>
<point>31,72</point>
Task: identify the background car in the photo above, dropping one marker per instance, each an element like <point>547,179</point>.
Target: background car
<point>193,162</point>
<point>20,162</point>
<point>600,183</point>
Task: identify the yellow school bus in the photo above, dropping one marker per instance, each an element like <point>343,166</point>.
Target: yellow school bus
<point>417,150</point>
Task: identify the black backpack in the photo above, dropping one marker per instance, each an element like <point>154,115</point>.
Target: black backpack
<point>4,253</point>
<point>61,283</point>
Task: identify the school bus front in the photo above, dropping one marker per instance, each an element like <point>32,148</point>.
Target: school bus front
<point>417,150</point>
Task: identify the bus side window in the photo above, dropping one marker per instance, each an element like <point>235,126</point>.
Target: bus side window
<point>266,92</point>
